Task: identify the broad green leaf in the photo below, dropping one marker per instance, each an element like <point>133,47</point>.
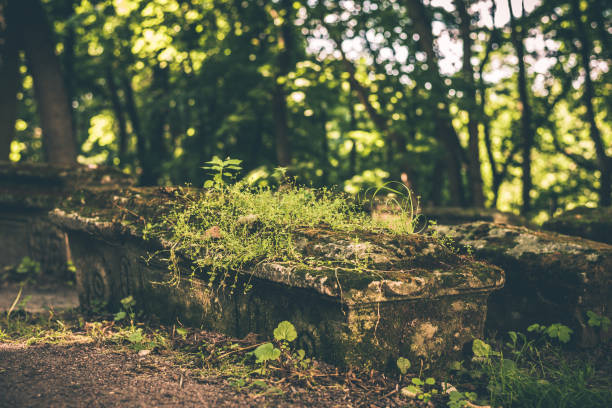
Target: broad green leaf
<point>285,331</point>
<point>266,352</point>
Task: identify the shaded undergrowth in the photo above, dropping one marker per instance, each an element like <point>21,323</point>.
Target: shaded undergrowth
<point>521,370</point>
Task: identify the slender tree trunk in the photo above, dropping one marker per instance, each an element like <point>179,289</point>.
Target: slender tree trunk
<point>132,111</point>
<point>279,97</point>
<point>353,127</point>
<point>119,115</point>
<point>49,87</point>
<point>603,161</point>
<point>437,181</point>
<point>322,120</point>
<point>475,175</point>
<point>9,85</point>
<point>517,37</point>
<point>445,133</point>
<point>279,100</point>
<point>157,153</point>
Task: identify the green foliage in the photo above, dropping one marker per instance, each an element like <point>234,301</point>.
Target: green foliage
<point>596,320</point>
<point>285,331</point>
<point>28,268</point>
<point>460,399</point>
<point>403,364</point>
<point>402,204</point>
<point>536,374</point>
<point>127,304</point>
<point>234,226</point>
<point>266,352</point>
<point>222,169</point>
<point>159,62</point>
<point>420,389</point>
<point>554,331</point>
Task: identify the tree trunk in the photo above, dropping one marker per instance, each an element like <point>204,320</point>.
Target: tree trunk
<point>119,115</point>
<point>51,95</point>
<point>517,37</point>
<point>445,133</point>
<point>279,97</point>
<point>9,85</point>
<point>352,127</point>
<point>603,161</point>
<point>132,111</point>
<point>157,152</point>
<point>324,146</point>
<point>279,100</point>
<point>475,175</point>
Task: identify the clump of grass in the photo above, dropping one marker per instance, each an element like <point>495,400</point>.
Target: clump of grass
<point>538,372</point>
<point>235,225</point>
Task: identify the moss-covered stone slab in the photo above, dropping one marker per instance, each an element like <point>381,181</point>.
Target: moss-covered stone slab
<point>461,215</point>
<point>27,192</point>
<point>415,298</point>
<point>550,278</point>
<point>591,223</point>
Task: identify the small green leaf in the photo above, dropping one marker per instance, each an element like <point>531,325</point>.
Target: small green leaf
<point>559,331</point>
<point>266,352</point>
<point>430,381</point>
<point>417,381</point>
<point>481,349</point>
<point>456,366</point>
<point>208,184</point>
<point>535,328</point>
<point>285,331</point>
<point>410,391</point>
<point>120,315</point>
<point>128,302</point>
<point>135,337</point>
<point>403,364</point>
<point>456,396</point>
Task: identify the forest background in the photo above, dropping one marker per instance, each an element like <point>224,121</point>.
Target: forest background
<point>501,104</point>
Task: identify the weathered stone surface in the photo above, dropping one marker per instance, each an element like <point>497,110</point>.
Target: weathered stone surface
<point>550,278</point>
<point>415,299</point>
<point>27,192</point>
<point>460,215</point>
<point>590,223</point>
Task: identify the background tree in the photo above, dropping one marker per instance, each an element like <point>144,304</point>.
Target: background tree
<point>343,93</point>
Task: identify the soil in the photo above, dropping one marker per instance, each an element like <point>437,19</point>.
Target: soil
<point>39,298</point>
<point>76,371</point>
<point>89,375</point>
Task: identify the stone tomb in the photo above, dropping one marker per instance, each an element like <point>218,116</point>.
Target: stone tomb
<point>590,223</point>
<point>416,299</point>
<point>550,278</point>
<point>27,192</point>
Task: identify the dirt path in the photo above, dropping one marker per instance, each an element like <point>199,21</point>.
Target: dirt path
<point>39,298</point>
<point>86,375</point>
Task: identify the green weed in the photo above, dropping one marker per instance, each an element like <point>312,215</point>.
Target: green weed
<point>235,225</point>
<point>536,373</point>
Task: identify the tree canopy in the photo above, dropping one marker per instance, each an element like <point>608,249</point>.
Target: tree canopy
<point>468,102</point>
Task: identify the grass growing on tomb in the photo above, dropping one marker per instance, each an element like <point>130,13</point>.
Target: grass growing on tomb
<point>234,224</point>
